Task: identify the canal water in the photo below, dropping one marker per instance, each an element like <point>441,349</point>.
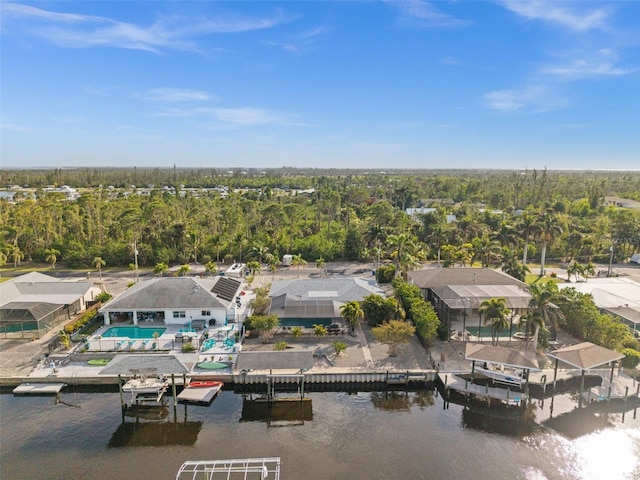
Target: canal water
<point>335,435</point>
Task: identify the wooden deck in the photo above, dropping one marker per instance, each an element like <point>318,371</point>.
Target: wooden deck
<point>38,388</point>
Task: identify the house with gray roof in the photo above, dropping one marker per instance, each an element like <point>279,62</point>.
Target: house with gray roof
<point>176,301</point>
<point>457,293</point>
<point>308,301</point>
<point>35,303</point>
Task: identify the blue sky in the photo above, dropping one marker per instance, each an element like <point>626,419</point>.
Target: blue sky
<point>379,84</point>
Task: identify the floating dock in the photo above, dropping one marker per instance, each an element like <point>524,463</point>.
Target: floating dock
<point>38,388</point>
<point>200,395</point>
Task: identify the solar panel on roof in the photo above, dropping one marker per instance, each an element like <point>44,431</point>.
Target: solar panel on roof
<point>226,288</point>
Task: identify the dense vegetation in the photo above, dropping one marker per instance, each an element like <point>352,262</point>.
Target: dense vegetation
<point>552,216</point>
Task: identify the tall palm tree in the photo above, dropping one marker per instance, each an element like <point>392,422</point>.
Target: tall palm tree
<point>320,264</point>
<point>505,235</point>
<point>542,311</point>
<point>51,256</point>
<point>528,227</point>
<point>352,313</point>
<point>404,251</point>
<point>550,230</point>
<point>98,262</point>
<point>495,313</point>
<point>486,250</point>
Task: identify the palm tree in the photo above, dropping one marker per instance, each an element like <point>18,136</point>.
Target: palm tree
<point>542,312</point>
<point>589,270</point>
<point>320,264</point>
<point>495,313</point>
<point>505,235</point>
<point>404,252</point>
<point>211,267</point>
<point>486,250</point>
<point>550,230</point>
<point>574,269</point>
<point>183,270</point>
<point>98,262</point>
<point>527,227</point>
<point>51,256</point>
<point>160,268</point>
<point>298,261</point>
<point>352,313</point>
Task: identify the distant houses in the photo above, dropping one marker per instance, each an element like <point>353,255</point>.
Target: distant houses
<point>34,304</point>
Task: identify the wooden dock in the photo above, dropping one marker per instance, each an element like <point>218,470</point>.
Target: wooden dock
<point>38,388</point>
<point>467,388</point>
<point>200,395</point>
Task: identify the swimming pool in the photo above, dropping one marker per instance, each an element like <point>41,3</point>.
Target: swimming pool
<point>132,332</point>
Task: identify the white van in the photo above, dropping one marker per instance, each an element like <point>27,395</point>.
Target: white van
<point>635,258</point>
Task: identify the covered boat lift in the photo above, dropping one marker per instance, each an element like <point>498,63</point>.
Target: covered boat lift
<point>584,356</point>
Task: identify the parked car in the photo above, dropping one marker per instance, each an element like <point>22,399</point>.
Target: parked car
<point>334,328</point>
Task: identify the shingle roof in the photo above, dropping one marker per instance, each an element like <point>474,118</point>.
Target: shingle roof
<point>585,355</point>
<point>36,288</point>
<point>275,360</point>
<point>123,364</point>
<point>501,355</point>
<point>440,277</point>
<point>167,293</point>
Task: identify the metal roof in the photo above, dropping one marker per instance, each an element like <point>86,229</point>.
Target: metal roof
<point>585,355</point>
<point>286,306</point>
<point>440,277</point>
<point>338,289</point>
<point>27,311</point>
<point>502,356</point>
<point>628,313</point>
<point>126,364</point>
<point>275,360</point>
<point>471,296</point>
<point>169,293</point>
<point>609,292</point>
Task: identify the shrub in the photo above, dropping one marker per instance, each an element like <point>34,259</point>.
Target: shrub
<point>280,346</point>
<point>188,348</point>
<point>385,273</point>
<point>104,297</point>
<point>631,359</point>
<point>296,332</point>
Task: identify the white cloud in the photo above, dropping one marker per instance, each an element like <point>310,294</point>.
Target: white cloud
<point>599,65</point>
<point>14,127</point>
<point>421,13</point>
<point>555,12</point>
<point>83,31</point>
<point>248,116</point>
<point>533,99</point>
<point>175,95</point>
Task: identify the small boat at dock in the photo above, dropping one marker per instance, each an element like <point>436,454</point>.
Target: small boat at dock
<point>204,384</point>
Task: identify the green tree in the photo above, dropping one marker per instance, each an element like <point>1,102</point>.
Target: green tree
<point>320,264</point>
<point>495,313</point>
<point>211,267</point>
<point>319,330</point>
<point>183,270</point>
<point>338,347</point>
<point>253,267</point>
<point>296,332</point>
<point>298,262</point>
<point>542,311</point>
<point>265,325</point>
<point>98,263</point>
<point>352,314</point>
<point>394,333</point>
<point>160,268</point>
<point>550,230</point>
<point>51,257</point>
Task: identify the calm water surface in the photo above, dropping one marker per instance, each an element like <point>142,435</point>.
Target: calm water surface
<point>368,435</point>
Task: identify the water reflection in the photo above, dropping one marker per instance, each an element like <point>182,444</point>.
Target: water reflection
<point>155,434</point>
<point>397,400</point>
<point>277,413</point>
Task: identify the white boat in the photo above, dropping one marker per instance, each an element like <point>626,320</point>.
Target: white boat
<point>146,388</point>
<point>505,376</point>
